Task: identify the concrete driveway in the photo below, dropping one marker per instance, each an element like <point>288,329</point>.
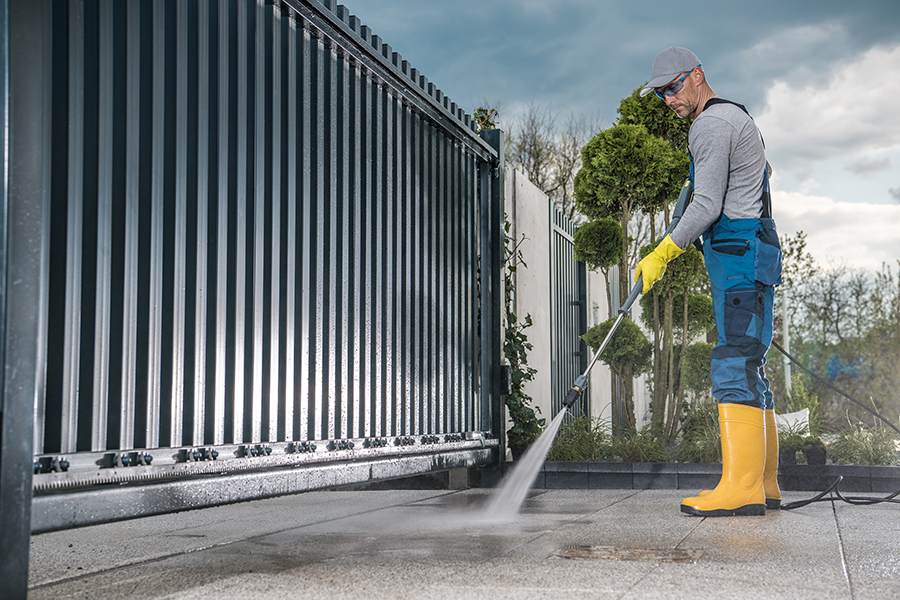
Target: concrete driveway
<point>431,544</point>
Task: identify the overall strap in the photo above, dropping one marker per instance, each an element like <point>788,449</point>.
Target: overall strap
<point>766,196</point>
<point>713,101</point>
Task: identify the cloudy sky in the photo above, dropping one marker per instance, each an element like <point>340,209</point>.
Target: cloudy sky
<point>822,79</point>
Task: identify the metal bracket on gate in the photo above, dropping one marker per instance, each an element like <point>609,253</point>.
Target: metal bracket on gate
<point>253,450</point>
<point>51,464</point>
<point>299,447</point>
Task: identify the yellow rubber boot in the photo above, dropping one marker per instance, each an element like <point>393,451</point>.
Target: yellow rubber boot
<point>770,475</point>
<point>740,491</point>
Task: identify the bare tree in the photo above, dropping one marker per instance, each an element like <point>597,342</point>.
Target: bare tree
<point>533,146</point>
<point>567,161</point>
<point>548,154</point>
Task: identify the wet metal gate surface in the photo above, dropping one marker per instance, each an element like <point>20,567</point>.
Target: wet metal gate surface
<point>568,297</point>
<point>268,249</point>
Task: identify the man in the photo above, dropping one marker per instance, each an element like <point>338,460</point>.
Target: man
<point>731,208</point>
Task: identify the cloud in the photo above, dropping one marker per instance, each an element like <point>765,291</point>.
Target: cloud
<point>857,234</point>
<point>869,164</point>
<point>585,55</point>
<point>894,192</point>
<point>850,115</point>
<point>803,53</point>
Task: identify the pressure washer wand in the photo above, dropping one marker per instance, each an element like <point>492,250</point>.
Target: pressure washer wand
<point>581,382</point>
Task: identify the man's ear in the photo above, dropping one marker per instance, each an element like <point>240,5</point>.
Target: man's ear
<point>698,75</point>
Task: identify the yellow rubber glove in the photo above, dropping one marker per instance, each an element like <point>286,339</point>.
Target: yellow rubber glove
<point>654,264</point>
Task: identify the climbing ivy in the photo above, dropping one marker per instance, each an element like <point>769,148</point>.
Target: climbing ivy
<point>527,426</point>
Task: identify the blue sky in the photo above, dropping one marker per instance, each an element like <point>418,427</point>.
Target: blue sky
<point>822,79</point>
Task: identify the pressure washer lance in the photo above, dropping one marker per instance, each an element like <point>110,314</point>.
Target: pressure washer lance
<point>581,382</point>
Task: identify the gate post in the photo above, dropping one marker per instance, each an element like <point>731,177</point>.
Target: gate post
<point>24,66</point>
<point>493,416</point>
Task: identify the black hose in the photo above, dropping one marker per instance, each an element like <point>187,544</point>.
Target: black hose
<point>833,492</point>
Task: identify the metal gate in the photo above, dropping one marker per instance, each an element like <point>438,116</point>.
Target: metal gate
<point>269,251</point>
<point>568,298</point>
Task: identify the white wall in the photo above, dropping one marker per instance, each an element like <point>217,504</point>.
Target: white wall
<point>528,209</point>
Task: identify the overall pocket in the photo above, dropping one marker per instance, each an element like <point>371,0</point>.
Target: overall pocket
<point>743,314</point>
<point>767,267</point>
<point>733,246</point>
<point>730,260</point>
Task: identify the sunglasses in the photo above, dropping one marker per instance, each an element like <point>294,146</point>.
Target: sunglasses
<point>673,88</point>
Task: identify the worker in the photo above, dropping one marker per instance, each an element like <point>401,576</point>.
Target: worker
<point>731,209</point>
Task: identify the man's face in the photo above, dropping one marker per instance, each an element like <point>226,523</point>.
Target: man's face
<point>684,101</point>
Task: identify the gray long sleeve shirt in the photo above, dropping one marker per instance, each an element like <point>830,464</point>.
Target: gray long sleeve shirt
<point>729,159</point>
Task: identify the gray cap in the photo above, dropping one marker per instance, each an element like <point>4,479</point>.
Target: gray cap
<point>668,64</point>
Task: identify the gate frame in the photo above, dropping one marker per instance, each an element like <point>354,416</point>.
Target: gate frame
<point>24,64</point>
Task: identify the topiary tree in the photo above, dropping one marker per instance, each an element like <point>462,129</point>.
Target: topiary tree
<point>663,123</point>
<point>657,118</point>
<point>598,244</point>
<point>629,353</point>
<point>660,121</point>
<point>685,279</point>
<point>624,170</point>
<point>700,313</point>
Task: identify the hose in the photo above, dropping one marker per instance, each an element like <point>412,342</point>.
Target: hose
<point>833,492</point>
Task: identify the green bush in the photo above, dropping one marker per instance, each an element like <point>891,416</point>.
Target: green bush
<point>802,398</point>
<point>642,446</point>
<point>599,243</point>
<point>582,439</point>
<point>812,441</point>
<point>864,446</point>
<point>790,440</point>
<point>792,436</point>
<point>700,440</point>
<point>631,348</point>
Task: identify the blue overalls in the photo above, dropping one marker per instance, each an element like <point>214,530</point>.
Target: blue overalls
<point>743,259</point>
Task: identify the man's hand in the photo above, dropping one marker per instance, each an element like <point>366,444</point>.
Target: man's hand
<point>654,264</point>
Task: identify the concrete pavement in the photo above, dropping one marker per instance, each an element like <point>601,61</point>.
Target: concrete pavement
<point>428,544</point>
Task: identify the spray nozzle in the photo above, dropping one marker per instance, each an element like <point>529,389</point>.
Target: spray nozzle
<point>575,391</point>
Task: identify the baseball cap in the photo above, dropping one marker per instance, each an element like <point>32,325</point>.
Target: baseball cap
<point>668,64</point>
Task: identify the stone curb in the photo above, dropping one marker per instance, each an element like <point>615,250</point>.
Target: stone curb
<point>600,475</point>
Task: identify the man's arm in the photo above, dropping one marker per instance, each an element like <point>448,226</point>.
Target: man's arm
<point>711,149</point>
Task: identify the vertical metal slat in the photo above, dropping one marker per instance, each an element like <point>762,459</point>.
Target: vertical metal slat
<point>274,393</point>
<point>72,343</point>
<point>290,324</point>
<point>104,230</point>
<point>202,227</point>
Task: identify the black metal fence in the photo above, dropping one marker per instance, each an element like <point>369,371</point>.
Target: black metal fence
<point>254,234</point>
<point>568,296</point>
<point>254,227</point>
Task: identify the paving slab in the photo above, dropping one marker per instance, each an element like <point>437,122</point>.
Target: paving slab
<point>62,554</point>
<point>429,544</point>
<point>871,542</point>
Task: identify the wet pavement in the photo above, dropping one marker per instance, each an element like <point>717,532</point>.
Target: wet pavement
<point>430,544</point>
